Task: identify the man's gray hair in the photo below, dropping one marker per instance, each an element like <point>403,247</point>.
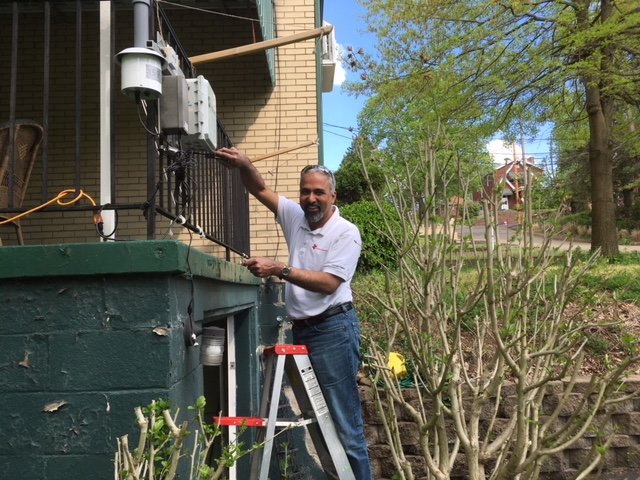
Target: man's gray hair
<point>320,169</point>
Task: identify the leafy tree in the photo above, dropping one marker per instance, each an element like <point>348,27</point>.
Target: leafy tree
<point>574,159</point>
<point>571,179</point>
<point>402,118</point>
<point>487,65</point>
<point>351,184</point>
<point>377,229</point>
<point>546,194</point>
<point>627,159</point>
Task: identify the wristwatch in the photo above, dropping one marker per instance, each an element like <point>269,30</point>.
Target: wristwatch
<point>285,271</point>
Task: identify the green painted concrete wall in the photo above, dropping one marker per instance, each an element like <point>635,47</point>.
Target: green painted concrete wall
<point>77,326</point>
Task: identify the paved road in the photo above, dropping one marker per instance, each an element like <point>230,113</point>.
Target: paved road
<point>506,234</point>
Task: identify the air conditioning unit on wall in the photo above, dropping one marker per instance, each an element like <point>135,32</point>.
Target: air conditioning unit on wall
<point>329,59</point>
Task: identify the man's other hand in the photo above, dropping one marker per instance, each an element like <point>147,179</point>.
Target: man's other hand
<point>263,267</point>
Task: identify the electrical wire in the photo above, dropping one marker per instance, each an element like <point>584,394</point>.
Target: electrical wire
<point>337,134</point>
<point>100,224</point>
<point>182,190</point>
<point>59,199</point>
<point>350,129</point>
<point>209,11</point>
<point>142,104</point>
<point>278,144</point>
<point>181,195</point>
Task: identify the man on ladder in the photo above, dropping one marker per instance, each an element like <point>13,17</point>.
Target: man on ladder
<point>323,253</point>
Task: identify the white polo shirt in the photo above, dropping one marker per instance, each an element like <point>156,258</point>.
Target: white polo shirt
<point>333,248</point>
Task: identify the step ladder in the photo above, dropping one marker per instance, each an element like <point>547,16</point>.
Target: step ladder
<point>294,361</point>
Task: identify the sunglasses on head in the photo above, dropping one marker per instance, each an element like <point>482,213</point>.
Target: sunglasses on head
<point>316,168</point>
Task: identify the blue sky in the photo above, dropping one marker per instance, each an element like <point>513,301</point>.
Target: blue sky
<point>341,110</point>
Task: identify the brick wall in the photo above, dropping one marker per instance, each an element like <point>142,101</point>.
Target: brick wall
<point>622,460</point>
<point>263,119</point>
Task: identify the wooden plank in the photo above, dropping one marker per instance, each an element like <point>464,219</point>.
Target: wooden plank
<point>260,46</point>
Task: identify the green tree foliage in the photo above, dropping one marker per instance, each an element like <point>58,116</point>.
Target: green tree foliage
<point>573,161</point>
<point>486,65</point>
<point>351,183</point>
<point>402,117</point>
<point>377,230</point>
<point>627,163</point>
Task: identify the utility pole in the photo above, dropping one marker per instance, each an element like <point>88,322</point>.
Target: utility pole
<point>525,180</point>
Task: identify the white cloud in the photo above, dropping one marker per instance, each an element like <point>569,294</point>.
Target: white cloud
<point>500,151</point>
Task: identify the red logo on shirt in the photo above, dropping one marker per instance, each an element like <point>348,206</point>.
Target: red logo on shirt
<point>316,247</point>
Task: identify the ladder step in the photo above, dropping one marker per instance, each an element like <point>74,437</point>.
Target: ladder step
<point>260,422</point>
<point>284,349</point>
<point>240,421</point>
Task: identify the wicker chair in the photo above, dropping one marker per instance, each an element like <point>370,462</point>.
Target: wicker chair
<point>26,141</point>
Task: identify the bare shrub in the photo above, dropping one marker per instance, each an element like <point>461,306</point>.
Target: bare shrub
<point>484,329</point>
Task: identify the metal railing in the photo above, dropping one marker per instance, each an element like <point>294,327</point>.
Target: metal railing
<point>200,192</point>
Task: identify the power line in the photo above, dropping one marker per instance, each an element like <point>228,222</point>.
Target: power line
<point>336,134</point>
<point>351,129</point>
<point>519,154</point>
<point>209,11</point>
<point>527,139</point>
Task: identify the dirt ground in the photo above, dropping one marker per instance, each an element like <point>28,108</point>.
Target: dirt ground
<point>612,323</point>
<point>606,345</point>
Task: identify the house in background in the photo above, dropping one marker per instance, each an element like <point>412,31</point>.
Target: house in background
<point>132,239</point>
<point>511,179</point>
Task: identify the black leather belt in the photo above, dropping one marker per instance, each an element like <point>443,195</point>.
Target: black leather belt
<point>321,317</point>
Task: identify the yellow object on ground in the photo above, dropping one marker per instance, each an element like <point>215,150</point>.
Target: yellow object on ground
<point>397,364</point>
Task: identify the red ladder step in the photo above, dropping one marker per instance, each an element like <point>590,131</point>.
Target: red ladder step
<point>240,421</point>
<point>285,349</point>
